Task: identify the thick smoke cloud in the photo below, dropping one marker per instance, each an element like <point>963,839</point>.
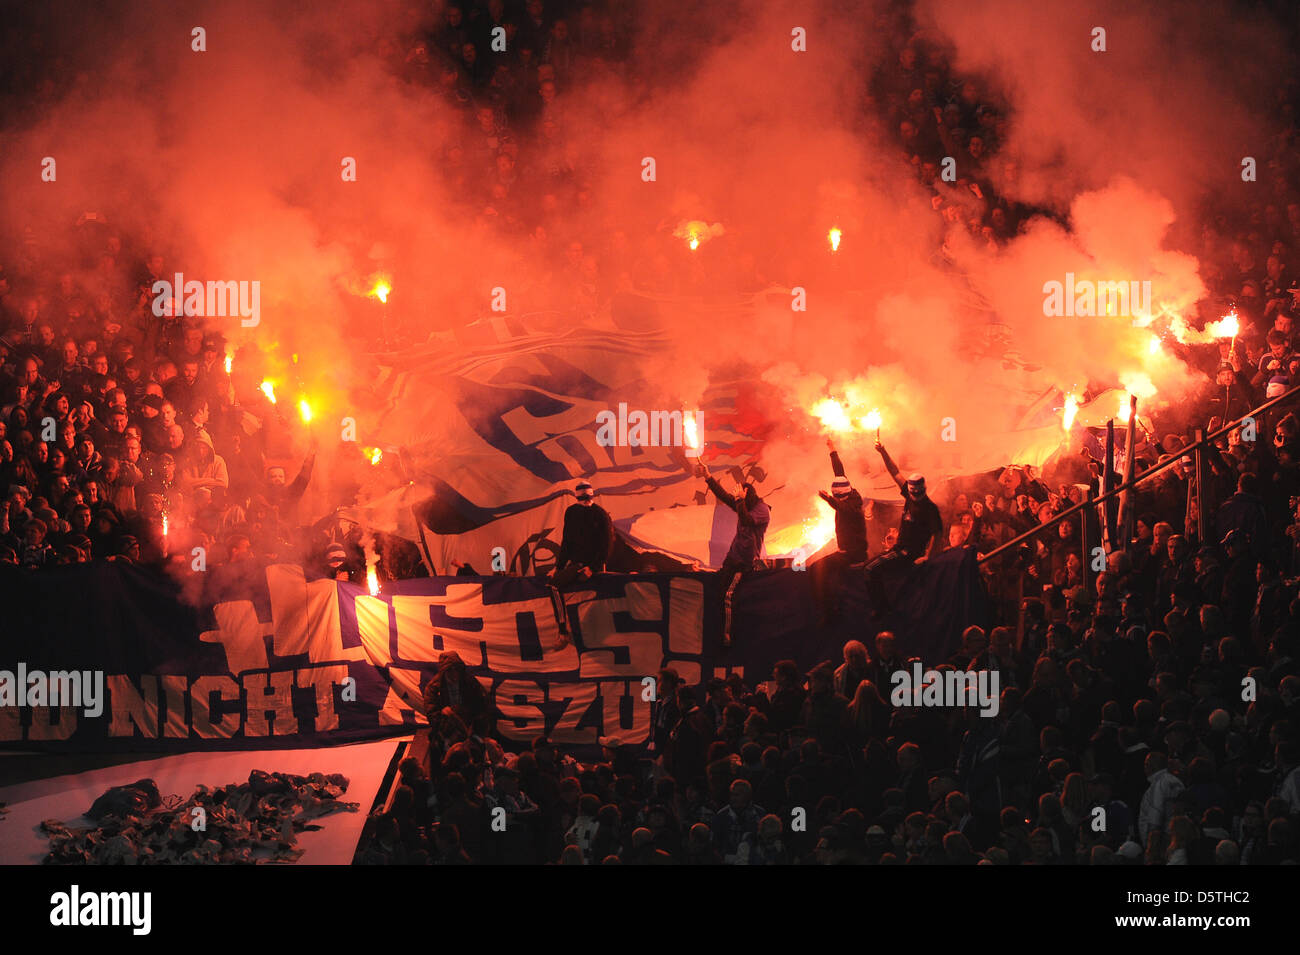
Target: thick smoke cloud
<point>227,162</point>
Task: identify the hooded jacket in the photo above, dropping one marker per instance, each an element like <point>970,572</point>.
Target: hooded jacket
<point>751,527</point>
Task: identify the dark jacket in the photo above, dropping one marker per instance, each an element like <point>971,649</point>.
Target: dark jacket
<point>850,522</point>
<point>588,537</point>
<point>751,526</point>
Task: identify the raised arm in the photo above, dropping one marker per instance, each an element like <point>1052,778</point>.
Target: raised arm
<point>891,467</point>
<point>722,495</point>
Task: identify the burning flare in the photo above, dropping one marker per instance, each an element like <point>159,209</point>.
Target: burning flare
<point>381,288</point>
<point>690,430</point>
<point>871,421</point>
<point>834,238</point>
<point>268,389</point>
<point>696,232</point>
<point>373,455</point>
<point>1226,327</point>
<point>833,415</point>
<point>230,359</point>
<point>1071,409</point>
<point>304,410</point>
<point>372,580</point>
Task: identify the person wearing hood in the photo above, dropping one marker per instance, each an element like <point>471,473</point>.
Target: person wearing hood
<point>752,516</point>
<point>206,468</point>
<point>920,532</point>
<point>454,688</point>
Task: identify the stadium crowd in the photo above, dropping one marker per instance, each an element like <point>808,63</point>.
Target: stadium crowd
<point>1162,691</point>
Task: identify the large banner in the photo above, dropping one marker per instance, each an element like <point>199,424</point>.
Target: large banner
<point>115,657</point>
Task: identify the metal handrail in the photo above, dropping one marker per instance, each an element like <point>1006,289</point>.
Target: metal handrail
<point>1150,472</point>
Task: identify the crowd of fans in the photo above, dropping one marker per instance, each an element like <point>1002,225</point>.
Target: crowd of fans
<point>1161,690</point>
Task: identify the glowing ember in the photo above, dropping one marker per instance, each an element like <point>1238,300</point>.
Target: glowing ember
<point>230,359</point>
<point>372,580</point>
<point>373,455</point>
<point>833,415</point>
<point>268,389</point>
<point>304,410</point>
<point>1071,409</point>
<point>834,237</point>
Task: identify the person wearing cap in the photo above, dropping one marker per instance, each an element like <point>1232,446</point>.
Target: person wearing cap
<point>336,559</point>
<point>920,532</point>
<point>850,521</point>
<point>588,538</point>
<point>1232,396</point>
<point>850,539</point>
